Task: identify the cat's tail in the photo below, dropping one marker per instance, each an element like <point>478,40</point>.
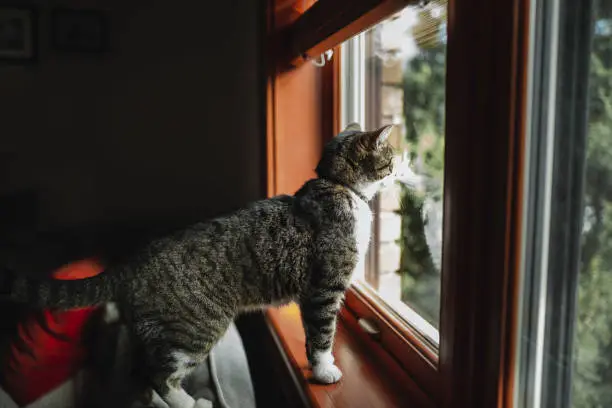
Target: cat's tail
<point>55,293</point>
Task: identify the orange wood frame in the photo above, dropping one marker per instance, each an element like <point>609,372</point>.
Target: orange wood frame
<point>329,23</point>
<point>402,344</point>
<point>299,108</point>
<point>486,104</point>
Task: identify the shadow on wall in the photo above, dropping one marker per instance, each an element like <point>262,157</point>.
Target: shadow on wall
<point>167,123</point>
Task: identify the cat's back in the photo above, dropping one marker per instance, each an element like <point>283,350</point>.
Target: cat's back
<point>277,218</point>
<point>269,222</point>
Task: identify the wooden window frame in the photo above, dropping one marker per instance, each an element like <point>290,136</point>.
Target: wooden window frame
<point>486,99</point>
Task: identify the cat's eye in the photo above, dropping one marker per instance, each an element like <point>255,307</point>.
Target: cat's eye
<point>387,166</point>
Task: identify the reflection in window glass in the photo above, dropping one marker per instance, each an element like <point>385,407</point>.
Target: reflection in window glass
<point>592,379</point>
<point>394,73</point>
<point>566,340</point>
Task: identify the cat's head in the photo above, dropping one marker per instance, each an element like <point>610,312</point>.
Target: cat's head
<point>364,161</point>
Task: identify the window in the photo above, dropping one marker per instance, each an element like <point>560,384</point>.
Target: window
<point>394,73</point>
<point>445,326</point>
<point>566,343</point>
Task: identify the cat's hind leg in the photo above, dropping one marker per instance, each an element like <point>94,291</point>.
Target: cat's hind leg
<point>167,382</point>
<point>157,401</point>
<point>172,395</point>
<point>173,346</point>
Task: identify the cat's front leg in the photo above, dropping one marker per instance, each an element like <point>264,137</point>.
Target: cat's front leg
<point>319,315</point>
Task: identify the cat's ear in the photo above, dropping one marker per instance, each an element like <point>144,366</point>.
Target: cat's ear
<point>378,137</point>
<point>383,134</point>
<point>352,127</point>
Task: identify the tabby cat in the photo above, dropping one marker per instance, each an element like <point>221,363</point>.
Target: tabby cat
<point>179,294</point>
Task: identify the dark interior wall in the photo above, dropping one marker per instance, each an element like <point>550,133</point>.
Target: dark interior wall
<point>166,124</point>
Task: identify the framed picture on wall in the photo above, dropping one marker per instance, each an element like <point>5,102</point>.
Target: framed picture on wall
<point>17,34</point>
<point>84,31</point>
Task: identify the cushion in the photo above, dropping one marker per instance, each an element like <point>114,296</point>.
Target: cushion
<point>47,349</point>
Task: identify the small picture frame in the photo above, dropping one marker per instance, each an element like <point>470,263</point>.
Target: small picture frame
<point>18,38</point>
<point>82,31</point>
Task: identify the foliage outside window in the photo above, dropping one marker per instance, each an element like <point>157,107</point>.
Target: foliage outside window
<point>592,385</point>
<point>421,211</point>
<point>394,73</point>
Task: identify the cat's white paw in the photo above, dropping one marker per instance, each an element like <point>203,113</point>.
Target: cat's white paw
<point>111,313</point>
<point>202,403</point>
<point>326,373</point>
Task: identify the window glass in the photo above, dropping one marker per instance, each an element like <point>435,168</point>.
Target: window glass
<point>592,385</point>
<point>394,73</point>
<point>565,344</point>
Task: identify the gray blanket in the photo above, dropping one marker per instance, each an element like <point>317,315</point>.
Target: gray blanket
<point>224,379</point>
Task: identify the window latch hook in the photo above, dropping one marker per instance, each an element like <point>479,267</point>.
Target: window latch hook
<point>320,62</point>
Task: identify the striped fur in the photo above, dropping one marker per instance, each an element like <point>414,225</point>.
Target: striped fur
<point>180,293</point>
<point>62,294</point>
